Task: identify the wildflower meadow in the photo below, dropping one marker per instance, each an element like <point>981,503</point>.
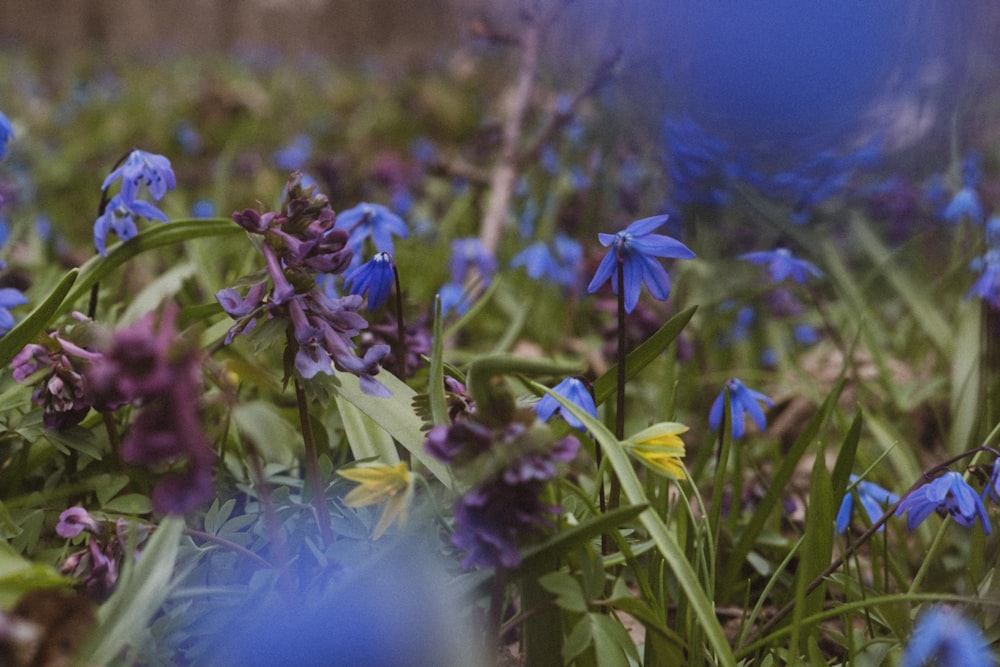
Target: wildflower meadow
<point>485,363</point>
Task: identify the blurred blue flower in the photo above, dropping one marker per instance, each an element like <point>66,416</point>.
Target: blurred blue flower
<point>119,217</point>
<point>570,255</point>
<point>964,205</point>
<point>9,298</point>
<point>4,232</point>
<point>6,133</point>
<point>371,221</point>
<point>987,286</point>
<point>993,230</point>
<point>637,248</point>
<point>948,494</point>
<point>943,637</point>
<point>203,208</point>
<point>574,390</point>
<point>992,490</point>
<point>453,298</point>
<point>805,334</point>
<point>374,278</point>
<point>743,401</point>
<point>537,261</point>
<point>142,167</point>
<point>188,137</point>
<point>469,252</point>
<point>872,497</point>
<point>782,265</point>
<point>294,154</point>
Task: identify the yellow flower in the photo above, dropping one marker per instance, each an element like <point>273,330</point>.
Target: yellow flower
<point>392,485</point>
<point>660,449</point>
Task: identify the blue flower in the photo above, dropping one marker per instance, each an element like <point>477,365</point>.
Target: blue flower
<point>948,494</point>
<point>203,208</point>
<point>371,220</point>
<point>9,298</point>
<point>743,401</point>
<point>783,265</point>
<point>6,133</point>
<point>573,390</point>
<point>119,217</point>
<point>637,248</point>
<point>295,154</point>
<point>453,298</point>
<point>142,167</point>
<point>965,204</point>
<point>943,637</point>
<point>987,286</point>
<point>805,335</point>
<point>872,497</point>
<point>469,252</point>
<point>374,278</point>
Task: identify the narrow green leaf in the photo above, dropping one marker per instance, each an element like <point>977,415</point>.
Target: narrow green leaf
<point>366,438</point>
<point>816,549</point>
<point>273,436</point>
<point>845,456</point>
<point>162,288</point>
<point>18,575</point>
<point>142,587</point>
<point>130,503</point>
<point>568,539</point>
<point>641,356</point>
<point>666,542</point>
<point>36,321</point>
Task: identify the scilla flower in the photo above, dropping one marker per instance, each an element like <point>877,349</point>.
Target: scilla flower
<point>636,249</point>
<point>743,401</point>
<point>574,390</point>
<point>782,265</point>
<point>373,221</point>
<point>948,494</point>
<point>871,496</point>
<point>119,217</point>
<point>374,278</point>
<point>6,133</point>
<point>141,168</point>
<point>943,637</point>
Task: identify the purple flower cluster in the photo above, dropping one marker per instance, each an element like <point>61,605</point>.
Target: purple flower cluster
<point>299,242</point>
<point>153,367</point>
<point>509,467</point>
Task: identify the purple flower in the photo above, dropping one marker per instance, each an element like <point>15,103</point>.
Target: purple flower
<point>743,401</point>
<point>6,133</point>
<point>374,278</point>
<point>636,249</point>
<point>943,637</point>
<point>371,221</point>
<point>948,494</point>
<point>873,499</point>
<point>782,265</point>
<point>62,391</point>
<point>142,167</point>
<point>119,217</point>
<point>74,521</point>
<point>573,390</point>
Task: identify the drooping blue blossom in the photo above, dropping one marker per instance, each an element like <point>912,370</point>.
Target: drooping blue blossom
<point>987,285</point>
<point>965,205</point>
<point>9,298</point>
<point>743,401</point>
<point>6,133</point>
<point>141,168</point>
<point>374,278</point>
<point>188,137</point>
<point>120,217</point>
<point>538,262</point>
<point>470,252</point>
<point>992,489</point>
<point>4,232</point>
<point>947,494</point>
<point>782,265</point>
<point>636,249</point>
<point>203,208</point>
<point>805,334</point>
<point>373,221</point>
<point>294,154</point>
<point>569,253</point>
<point>944,637</point>
<point>453,298</point>
<point>993,230</point>
<point>574,390</point>
<point>873,499</point>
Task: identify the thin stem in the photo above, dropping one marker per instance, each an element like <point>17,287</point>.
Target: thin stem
<point>101,208</point>
<point>271,522</point>
<point>615,495</point>
<point>232,546</point>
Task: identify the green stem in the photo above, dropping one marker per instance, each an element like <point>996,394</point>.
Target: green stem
<point>615,494</point>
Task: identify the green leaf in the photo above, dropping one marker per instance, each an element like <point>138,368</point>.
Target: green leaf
<point>580,637</point>
<point>272,435</point>
<point>36,321</point>
<point>612,645</point>
<point>845,457</point>
<point>366,438</point>
<point>141,589</point>
<point>568,592</point>
<point>158,291</point>
<point>641,356</point>
<point>816,549</point>
<point>130,503</point>
<point>666,541</point>
<point>19,575</point>
<point>395,415</point>
<point>568,539</point>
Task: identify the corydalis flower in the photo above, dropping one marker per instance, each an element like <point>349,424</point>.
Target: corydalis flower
<point>949,494</point>
<point>943,637</point>
<point>873,499</point>
<point>74,521</point>
<point>660,449</point>
<point>636,249</point>
<point>782,265</point>
<point>374,278</point>
<point>120,217</point>
<point>743,401</point>
<point>392,485</point>
<point>573,390</point>
<point>149,363</point>
<point>141,168</point>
